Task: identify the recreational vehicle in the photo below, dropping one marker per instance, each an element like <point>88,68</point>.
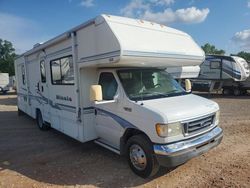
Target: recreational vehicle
<point>12,82</point>
<point>4,82</point>
<point>236,88</point>
<point>106,81</point>
<point>184,72</point>
<point>219,72</point>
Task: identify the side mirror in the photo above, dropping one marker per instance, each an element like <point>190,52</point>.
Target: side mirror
<point>96,93</point>
<point>188,85</point>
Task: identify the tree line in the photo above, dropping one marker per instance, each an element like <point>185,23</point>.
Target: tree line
<point>211,49</point>
<point>8,55</point>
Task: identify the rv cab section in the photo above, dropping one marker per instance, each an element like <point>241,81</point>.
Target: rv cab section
<point>107,81</point>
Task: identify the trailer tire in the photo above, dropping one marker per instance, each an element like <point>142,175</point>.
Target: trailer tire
<point>226,91</point>
<point>40,122</point>
<point>236,92</point>
<point>140,156</point>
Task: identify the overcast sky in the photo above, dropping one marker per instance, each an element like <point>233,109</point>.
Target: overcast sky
<point>224,23</point>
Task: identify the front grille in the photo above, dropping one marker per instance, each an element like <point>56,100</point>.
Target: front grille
<point>198,125</point>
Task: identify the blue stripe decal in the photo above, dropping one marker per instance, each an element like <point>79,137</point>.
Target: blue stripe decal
<point>228,67</point>
<point>160,55</point>
<point>124,123</point>
<point>231,73</point>
<point>43,100</point>
<point>100,56</point>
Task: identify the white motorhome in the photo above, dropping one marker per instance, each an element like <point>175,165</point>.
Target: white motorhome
<point>106,81</point>
<point>4,82</point>
<point>12,82</point>
<point>219,72</point>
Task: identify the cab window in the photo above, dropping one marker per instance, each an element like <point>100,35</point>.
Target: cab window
<point>109,85</point>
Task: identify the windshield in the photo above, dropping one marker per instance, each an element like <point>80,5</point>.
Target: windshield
<point>143,84</point>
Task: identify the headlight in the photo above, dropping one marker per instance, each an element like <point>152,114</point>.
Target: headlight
<point>168,130</point>
<point>217,117</point>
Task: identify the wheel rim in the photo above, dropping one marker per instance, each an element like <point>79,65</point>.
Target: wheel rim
<point>137,157</point>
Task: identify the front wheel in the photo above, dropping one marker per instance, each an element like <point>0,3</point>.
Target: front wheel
<point>140,156</point>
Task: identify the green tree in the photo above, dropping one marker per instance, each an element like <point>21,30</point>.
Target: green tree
<point>210,49</point>
<point>7,57</point>
<point>244,55</point>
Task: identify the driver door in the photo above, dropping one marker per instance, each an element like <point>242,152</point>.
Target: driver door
<point>107,128</point>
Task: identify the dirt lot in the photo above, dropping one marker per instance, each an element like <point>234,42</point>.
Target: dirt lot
<point>31,158</point>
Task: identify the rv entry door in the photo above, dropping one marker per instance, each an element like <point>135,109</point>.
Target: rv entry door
<point>42,90</point>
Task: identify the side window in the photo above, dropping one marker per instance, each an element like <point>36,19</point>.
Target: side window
<point>62,71</point>
<point>215,64</point>
<point>109,85</point>
<point>43,71</point>
<point>23,75</point>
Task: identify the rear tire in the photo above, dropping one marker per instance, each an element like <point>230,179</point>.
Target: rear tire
<point>140,156</point>
<point>40,122</point>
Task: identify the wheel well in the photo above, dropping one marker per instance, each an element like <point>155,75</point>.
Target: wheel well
<point>128,134</point>
<point>37,111</point>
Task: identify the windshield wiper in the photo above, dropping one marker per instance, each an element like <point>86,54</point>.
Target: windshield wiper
<point>155,92</point>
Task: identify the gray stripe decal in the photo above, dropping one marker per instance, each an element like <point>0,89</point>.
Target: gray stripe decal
<point>100,56</point>
<point>160,55</point>
<point>124,123</point>
<point>88,110</point>
<point>50,102</point>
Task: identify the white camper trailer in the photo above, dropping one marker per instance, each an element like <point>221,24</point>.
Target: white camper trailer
<point>4,82</point>
<point>184,72</point>
<point>236,88</point>
<point>105,81</point>
<point>218,72</point>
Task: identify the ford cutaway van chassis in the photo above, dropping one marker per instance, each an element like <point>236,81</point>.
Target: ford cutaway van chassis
<point>106,81</point>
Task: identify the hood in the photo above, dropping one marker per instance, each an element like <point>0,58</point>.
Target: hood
<point>181,108</point>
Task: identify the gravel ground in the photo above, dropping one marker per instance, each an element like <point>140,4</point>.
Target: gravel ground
<point>32,158</point>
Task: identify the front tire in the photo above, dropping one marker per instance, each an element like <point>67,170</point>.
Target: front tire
<point>140,156</point>
<point>40,122</point>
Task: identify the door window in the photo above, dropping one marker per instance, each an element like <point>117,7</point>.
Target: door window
<point>23,75</point>
<point>109,85</point>
<point>42,71</point>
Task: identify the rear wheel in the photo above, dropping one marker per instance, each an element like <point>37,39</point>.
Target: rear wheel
<point>40,122</point>
<point>140,156</point>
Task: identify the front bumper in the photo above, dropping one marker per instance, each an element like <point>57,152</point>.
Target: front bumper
<point>171,155</point>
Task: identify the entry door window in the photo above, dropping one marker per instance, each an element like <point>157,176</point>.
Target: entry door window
<point>109,85</point>
<point>43,71</point>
